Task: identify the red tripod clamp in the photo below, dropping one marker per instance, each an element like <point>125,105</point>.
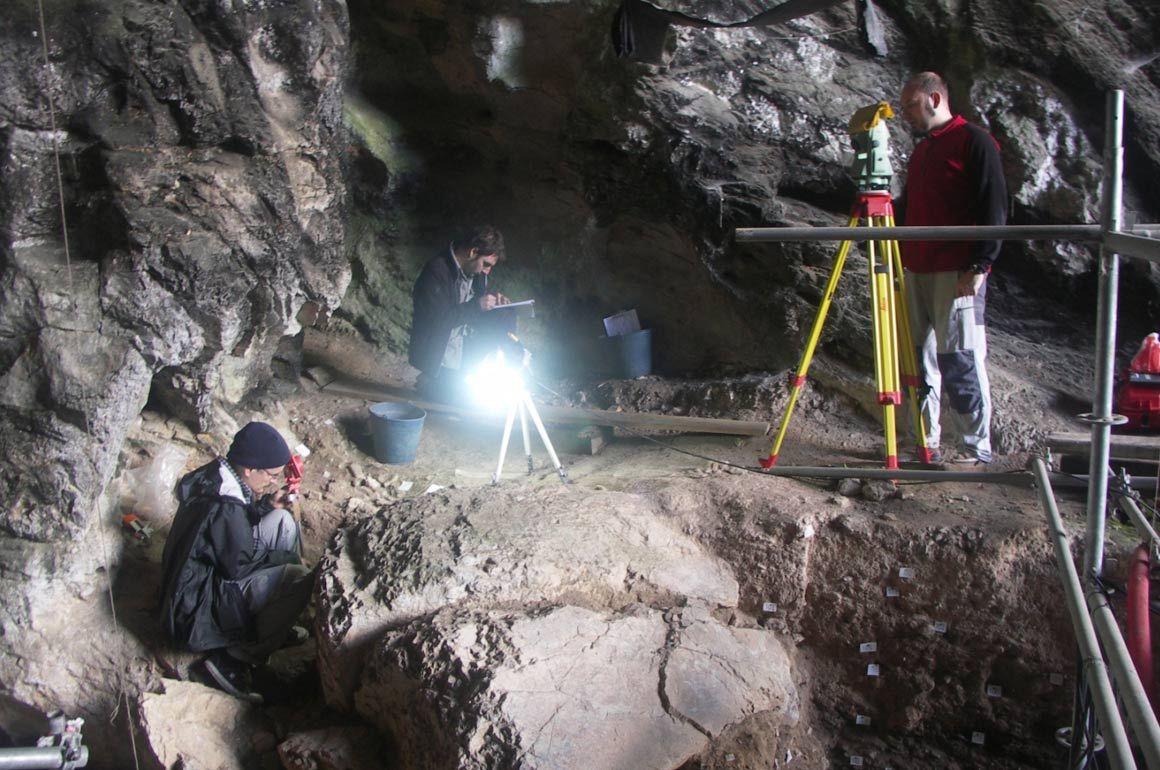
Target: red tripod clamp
<point>294,470</point>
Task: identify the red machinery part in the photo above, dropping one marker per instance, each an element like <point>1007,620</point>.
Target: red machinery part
<point>1147,358</point>
<point>1137,394</point>
<point>1139,630</point>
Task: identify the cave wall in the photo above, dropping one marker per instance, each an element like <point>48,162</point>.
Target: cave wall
<point>199,148</point>
<point>618,182</point>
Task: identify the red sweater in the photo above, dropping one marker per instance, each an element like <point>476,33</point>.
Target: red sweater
<point>954,178</point>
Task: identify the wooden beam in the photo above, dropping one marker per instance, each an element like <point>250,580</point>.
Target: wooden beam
<point>1121,447</point>
<point>558,415</point>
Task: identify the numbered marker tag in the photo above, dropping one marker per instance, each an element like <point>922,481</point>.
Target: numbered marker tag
<point>978,738</point>
<point>769,607</point>
<point>808,531</point>
<point>939,627</point>
<point>855,761</point>
<point>729,757</point>
<point>862,720</point>
<point>891,592</point>
<point>906,573</point>
<point>872,669</point>
<point>405,486</point>
<point>1056,679</point>
<point>868,647</point>
<point>994,691</point>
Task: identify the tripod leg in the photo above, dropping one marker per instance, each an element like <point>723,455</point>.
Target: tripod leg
<point>503,445</point>
<point>531,406</point>
<point>885,352</point>
<point>527,441</point>
<point>799,377</point>
<point>908,359</point>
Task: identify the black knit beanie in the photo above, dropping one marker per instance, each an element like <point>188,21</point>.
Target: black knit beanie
<point>259,445</point>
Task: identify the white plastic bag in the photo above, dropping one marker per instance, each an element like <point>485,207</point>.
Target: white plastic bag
<point>147,490</point>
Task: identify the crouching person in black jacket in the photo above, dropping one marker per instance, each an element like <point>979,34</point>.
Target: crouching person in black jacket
<point>233,583</point>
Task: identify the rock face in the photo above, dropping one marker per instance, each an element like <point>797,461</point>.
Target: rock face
<point>550,630</point>
<point>619,182</point>
<point>200,213</point>
<point>174,206</point>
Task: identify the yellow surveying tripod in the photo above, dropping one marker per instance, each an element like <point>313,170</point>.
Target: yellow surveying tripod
<point>893,344</point>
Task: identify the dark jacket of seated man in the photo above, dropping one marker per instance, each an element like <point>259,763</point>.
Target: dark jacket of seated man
<point>438,311</point>
<point>229,547</point>
<point>450,300</point>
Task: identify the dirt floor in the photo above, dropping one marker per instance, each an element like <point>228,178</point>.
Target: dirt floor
<point>829,428</point>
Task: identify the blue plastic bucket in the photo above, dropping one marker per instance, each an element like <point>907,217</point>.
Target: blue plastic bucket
<point>395,429</point>
<point>632,353</point>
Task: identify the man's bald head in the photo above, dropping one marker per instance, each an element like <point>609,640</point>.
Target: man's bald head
<point>926,103</point>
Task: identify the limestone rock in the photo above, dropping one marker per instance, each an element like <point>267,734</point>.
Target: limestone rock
<point>552,689</point>
<point>479,549</point>
<point>191,725</point>
<point>334,748</point>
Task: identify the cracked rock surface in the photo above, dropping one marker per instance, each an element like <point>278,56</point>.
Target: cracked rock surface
<point>497,627</point>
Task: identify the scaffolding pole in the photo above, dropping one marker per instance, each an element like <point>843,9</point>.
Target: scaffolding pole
<point>1094,669</point>
<point>922,233</point>
<point>1100,417</point>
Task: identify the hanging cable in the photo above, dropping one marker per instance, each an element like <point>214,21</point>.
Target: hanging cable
<point>55,145</point>
<point>123,692</point>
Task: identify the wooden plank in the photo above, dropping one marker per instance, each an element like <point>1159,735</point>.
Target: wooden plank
<point>1121,447</point>
<point>558,415</point>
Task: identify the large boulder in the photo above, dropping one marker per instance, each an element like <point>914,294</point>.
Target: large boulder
<point>479,627</point>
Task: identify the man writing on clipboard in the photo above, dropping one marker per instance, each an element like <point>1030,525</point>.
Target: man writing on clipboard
<point>449,328</point>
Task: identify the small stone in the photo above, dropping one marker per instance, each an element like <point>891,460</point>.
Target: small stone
<point>877,490</point>
<point>849,487</point>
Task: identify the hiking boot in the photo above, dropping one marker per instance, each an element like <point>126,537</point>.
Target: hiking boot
<point>232,676</point>
<point>967,463</point>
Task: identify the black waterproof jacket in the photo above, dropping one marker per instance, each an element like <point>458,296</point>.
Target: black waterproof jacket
<point>211,545</point>
<point>437,310</point>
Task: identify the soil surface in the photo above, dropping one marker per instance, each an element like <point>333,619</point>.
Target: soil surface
<point>830,427</point>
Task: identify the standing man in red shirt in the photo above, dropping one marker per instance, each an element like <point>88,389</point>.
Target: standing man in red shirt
<point>954,178</point>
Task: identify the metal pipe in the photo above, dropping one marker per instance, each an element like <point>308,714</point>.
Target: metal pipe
<point>1139,519</point>
<point>1095,671</point>
<point>1133,246</point>
<point>1128,687</point>
<point>1013,479</point>
<point>926,233</point>
<point>37,758</point>
<point>1093,562</point>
